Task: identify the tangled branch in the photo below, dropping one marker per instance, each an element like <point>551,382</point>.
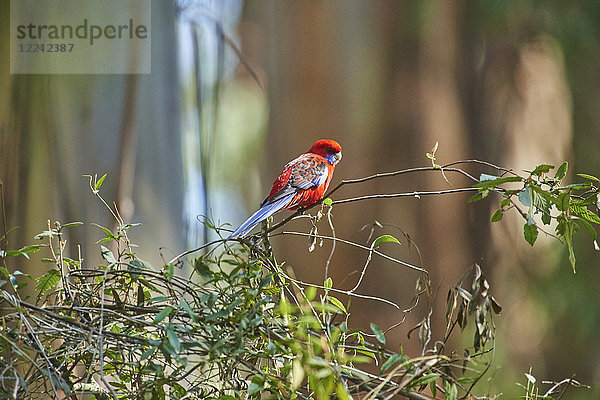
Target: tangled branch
<point>239,326</point>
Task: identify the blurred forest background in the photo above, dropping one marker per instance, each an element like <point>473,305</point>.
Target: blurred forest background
<point>239,88</point>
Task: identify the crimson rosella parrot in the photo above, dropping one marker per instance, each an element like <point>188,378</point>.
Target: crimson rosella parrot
<point>302,183</point>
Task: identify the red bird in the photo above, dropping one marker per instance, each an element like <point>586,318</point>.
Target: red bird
<point>302,182</point>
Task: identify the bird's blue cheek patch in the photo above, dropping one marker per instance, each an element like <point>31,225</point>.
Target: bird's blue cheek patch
<point>332,159</point>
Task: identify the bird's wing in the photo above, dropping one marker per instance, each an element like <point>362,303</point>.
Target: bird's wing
<point>306,172</point>
<point>303,173</point>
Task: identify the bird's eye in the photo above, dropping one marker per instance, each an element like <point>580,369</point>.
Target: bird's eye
<point>330,151</point>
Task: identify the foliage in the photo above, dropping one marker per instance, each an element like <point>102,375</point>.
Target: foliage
<point>541,195</point>
<point>231,323</point>
<point>126,330</point>
<point>532,388</point>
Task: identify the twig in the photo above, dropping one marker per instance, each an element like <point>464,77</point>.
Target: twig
<point>446,168</point>
<point>568,381</point>
<point>346,292</point>
<point>360,246</point>
<point>407,194</point>
<point>332,227</point>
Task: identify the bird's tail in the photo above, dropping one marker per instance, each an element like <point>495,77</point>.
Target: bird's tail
<point>263,213</point>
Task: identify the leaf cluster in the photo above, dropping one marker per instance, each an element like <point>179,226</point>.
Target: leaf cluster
<point>541,200</point>
<point>236,327</point>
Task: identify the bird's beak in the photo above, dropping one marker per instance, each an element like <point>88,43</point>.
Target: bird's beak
<point>338,156</point>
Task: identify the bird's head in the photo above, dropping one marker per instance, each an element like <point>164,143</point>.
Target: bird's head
<point>328,149</point>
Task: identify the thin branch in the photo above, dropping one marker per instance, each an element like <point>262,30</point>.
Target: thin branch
<point>407,194</point>
<point>346,292</point>
<point>396,173</point>
<point>332,227</point>
<point>360,246</point>
<point>445,168</point>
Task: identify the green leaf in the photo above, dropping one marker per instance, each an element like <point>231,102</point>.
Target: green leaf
<point>425,380</point>
<point>203,269</point>
<point>169,271</point>
<point>542,169</point>
<point>505,202</point>
<point>99,182</point>
<point>183,304</point>
<point>48,281</point>
<point>327,201</point>
<point>285,308</point>
<point>135,267</point>
<point>475,198</point>
<point>433,389</point>
<point>541,199</point>
<point>107,255</point>
<point>562,171</point>
<point>379,335</point>
<point>451,392</point>
<point>173,339</point>
<point>583,212</point>
<point>531,233</point>
<point>590,177</point>
<point>19,273</point>
<point>23,251</point>
<point>525,197</point>
<point>337,303</point>
<point>342,392</point>
<point>326,307</point>
<point>13,281</point>
<point>478,196</point>
<point>562,201</point>
<point>256,385</point>
<point>487,184</point>
<point>106,231</point>
<point>70,224</point>
<point>486,177</point>
<point>9,231</point>
<point>310,293</point>
<point>384,239</point>
<point>157,299</point>
<point>30,249</point>
<point>45,234</point>
<point>162,315</point>
<point>393,359</point>
<point>497,216</point>
<point>328,283</point>
<point>546,218</point>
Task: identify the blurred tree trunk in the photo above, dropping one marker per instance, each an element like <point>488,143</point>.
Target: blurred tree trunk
<point>56,128</point>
